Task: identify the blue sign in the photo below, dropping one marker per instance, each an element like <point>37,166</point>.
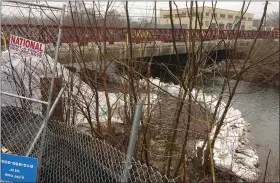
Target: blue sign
<point>18,168</point>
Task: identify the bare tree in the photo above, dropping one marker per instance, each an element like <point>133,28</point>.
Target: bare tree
<point>272,19</point>
<point>115,19</point>
<point>163,142</point>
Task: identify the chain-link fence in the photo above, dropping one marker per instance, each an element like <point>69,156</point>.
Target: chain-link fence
<point>102,86</point>
<point>66,154</point>
<point>69,155</point>
<point>22,73</point>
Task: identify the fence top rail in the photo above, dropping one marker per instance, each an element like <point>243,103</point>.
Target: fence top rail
<point>32,4</point>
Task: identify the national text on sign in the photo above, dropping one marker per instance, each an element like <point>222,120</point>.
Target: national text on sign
<point>26,43</point>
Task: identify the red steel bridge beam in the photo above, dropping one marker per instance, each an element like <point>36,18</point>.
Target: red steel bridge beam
<point>86,34</point>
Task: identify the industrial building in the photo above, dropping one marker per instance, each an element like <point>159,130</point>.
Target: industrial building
<point>226,19</point>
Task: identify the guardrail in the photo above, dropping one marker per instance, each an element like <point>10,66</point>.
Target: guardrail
<point>86,34</point>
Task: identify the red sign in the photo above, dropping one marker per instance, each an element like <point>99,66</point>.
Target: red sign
<point>26,46</point>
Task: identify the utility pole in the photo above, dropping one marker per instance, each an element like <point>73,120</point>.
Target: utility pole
<point>155,14</point>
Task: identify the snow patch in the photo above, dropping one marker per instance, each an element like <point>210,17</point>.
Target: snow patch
<point>16,68</point>
<point>229,152</point>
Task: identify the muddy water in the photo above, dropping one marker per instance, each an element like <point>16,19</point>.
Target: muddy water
<point>259,106</point>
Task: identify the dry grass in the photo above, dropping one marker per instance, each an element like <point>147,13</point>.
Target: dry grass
<point>264,72</point>
<point>160,128</point>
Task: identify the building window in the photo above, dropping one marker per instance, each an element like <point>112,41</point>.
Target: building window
<point>229,26</point>
<point>182,15</point>
<point>207,23</point>
<point>193,15</point>
<point>238,17</point>
<point>250,19</point>
<point>237,25</point>
<point>222,16</point>
<point>166,16</point>
<point>214,14</point>
<point>212,26</point>
<point>221,26</point>
<point>207,14</point>
<point>230,17</point>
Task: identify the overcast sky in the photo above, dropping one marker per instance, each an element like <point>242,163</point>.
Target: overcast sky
<point>140,8</point>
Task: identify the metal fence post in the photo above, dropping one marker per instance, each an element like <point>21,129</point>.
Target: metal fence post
<point>51,88</point>
<point>1,79</point>
<point>44,124</point>
<point>132,140</point>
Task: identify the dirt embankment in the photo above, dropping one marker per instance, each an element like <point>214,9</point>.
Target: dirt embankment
<point>160,127</point>
<point>263,63</point>
<point>261,74</point>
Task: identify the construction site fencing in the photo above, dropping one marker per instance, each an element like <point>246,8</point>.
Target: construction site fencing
<point>65,153</point>
<point>68,154</point>
<point>16,13</point>
<point>77,144</point>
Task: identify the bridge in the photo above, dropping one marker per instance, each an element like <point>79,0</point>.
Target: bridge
<point>87,34</point>
<point>142,39</point>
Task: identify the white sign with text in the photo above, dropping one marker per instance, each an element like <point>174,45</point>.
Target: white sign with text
<point>26,46</point>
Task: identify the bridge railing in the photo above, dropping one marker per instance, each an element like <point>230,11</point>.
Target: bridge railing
<point>85,34</point>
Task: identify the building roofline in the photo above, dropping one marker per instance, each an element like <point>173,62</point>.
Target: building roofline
<point>211,7</point>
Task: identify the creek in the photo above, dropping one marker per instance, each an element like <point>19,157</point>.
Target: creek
<point>259,105</point>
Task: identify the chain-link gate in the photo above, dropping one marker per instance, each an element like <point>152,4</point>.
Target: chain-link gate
<point>25,70</point>
<point>31,88</point>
